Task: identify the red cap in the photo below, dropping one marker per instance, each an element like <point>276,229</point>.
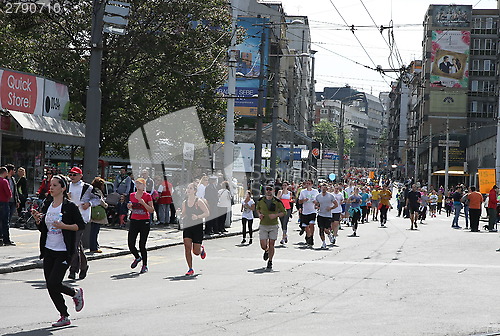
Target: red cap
<point>76,170</point>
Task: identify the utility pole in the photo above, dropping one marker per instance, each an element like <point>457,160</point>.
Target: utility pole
<point>257,162</point>
<point>274,134</point>
<point>429,171</point>
<point>341,140</point>
<point>447,156</point>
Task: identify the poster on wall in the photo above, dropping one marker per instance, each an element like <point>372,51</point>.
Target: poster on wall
<point>451,16</point>
<point>447,102</point>
<point>450,59</point>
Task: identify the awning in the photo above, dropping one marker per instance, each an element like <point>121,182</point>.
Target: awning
<point>452,171</point>
<point>36,127</point>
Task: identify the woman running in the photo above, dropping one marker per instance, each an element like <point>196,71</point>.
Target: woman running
<point>247,209</point>
<point>354,210</point>
<point>58,222</point>
<point>193,211</point>
<point>141,204</point>
<point>286,198</point>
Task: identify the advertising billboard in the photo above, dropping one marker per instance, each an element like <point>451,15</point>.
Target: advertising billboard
<point>450,58</point>
<point>448,102</point>
<point>451,16</point>
<point>248,61</point>
<point>33,94</point>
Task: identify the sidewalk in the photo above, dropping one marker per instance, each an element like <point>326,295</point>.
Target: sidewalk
<point>113,242</point>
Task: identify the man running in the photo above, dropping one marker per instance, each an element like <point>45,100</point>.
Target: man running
<point>413,203</point>
<point>325,203</point>
<point>337,212</point>
<point>308,216</point>
<point>269,208</point>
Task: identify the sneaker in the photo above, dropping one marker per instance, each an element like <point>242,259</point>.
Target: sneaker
<point>78,299</point>
<point>352,235</point>
<point>266,255</point>
<point>282,241</point>
<point>83,273</point>
<point>144,269</point>
<point>135,262</point>
<point>269,265</point>
<point>243,241</point>
<point>332,238</point>
<point>323,246</point>
<point>72,275</point>
<point>190,272</point>
<point>250,241</point>
<point>203,254</point>
<point>301,231</point>
<point>63,321</point>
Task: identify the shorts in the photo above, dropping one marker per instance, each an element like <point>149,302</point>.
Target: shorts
<point>324,222</point>
<point>195,233</point>
<point>375,203</point>
<point>336,217</point>
<point>413,208</point>
<point>305,220</point>
<point>268,232</point>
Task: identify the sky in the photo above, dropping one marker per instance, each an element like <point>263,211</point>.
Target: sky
<point>338,49</point>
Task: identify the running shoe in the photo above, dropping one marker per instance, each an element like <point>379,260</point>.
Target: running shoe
<point>266,255</point>
<point>250,241</point>
<point>323,246</point>
<point>243,241</point>
<point>63,321</point>
<point>135,262</point>
<point>282,241</point>
<point>331,237</point>
<point>352,235</point>
<point>144,269</point>
<point>203,254</point>
<point>78,299</point>
<point>190,272</point>
<point>269,265</point>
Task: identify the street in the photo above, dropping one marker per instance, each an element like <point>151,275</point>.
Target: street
<point>434,281</point>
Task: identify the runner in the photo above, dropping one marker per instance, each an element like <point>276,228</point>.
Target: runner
<point>141,204</point>
<point>193,211</point>
<point>337,212</point>
<point>269,209</point>
<point>433,202</point>
<point>365,198</point>
<point>375,202</point>
<point>247,208</point>
<point>57,245</point>
<point>286,198</point>
<point>354,210</point>
<point>308,217</point>
<point>424,201</point>
<point>413,203</point>
<point>385,196</point>
<point>325,203</point>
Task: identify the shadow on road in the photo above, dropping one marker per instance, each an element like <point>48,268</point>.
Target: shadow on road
<point>39,332</point>
<point>128,275</point>
<point>182,277</point>
<point>261,270</point>
<point>38,284</point>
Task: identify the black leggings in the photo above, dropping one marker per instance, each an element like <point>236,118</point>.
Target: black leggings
<point>244,221</point>
<point>383,214</point>
<point>139,226</point>
<point>365,212</point>
<point>55,266</point>
<point>356,214</point>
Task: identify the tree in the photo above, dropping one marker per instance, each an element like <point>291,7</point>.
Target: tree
<point>172,57</point>
<point>327,134</point>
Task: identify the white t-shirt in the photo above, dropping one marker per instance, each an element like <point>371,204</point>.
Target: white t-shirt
<point>308,207</point>
<point>200,192</point>
<point>55,239</point>
<point>247,213</point>
<point>339,198</point>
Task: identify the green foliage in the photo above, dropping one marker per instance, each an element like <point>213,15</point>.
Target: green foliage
<point>327,134</point>
<point>166,62</point>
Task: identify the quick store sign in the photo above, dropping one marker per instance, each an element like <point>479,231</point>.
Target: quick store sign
<point>32,94</point>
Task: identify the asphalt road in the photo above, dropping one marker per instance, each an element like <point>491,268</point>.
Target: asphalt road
<point>434,281</point>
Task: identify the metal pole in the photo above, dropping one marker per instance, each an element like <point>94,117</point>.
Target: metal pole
<point>291,107</point>
<point>93,115</point>
<point>231,88</point>
<point>497,157</point>
<point>257,163</point>
<point>447,156</point>
<point>341,140</point>
<point>429,165</point>
<point>274,135</point>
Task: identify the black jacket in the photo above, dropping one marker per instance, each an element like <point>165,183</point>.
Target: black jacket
<point>71,215</point>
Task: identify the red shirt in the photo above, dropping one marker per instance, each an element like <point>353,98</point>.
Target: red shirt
<point>492,199</point>
<point>138,210</point>
<point>5,192</point>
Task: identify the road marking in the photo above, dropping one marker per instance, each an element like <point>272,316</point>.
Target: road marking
<point>368,263</point>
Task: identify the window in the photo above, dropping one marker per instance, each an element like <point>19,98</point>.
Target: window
<point>473,106</point>
<point>477,23</point>
<point>475,64</point>
<point>324,111</point>
<point>476,44</point>
<point>474,85</point>
<point>487,44</point>
<point>487,65</point>
<point>489,23</point>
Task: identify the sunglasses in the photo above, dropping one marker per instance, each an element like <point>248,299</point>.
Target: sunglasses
<point>269,189</point>
<point>72,174</point>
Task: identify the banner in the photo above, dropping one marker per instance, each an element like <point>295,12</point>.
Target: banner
<point>487,179</point>
<point>448,102</point>
<point>33,94</point>
<point>451,16</point>
<point>450,59</point>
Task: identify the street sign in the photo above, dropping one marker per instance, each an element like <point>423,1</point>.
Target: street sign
<point>188,151</point>
<point>315,151</point>
<point>452,143</point>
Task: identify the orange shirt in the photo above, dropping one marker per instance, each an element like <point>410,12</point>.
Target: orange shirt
<point>475,200</point>
<point>385,197</point>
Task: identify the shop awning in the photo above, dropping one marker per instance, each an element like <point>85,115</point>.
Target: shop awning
<point>452,171</point>
<point>36,127</point>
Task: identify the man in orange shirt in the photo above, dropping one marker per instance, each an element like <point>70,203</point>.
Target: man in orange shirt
<point>475,202</point>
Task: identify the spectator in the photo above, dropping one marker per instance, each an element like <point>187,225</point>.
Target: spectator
<point>122,182</point>
<point>43,191</point>
<point>212,197</point>
<point>22,190</point>
<point>5,196</point>
<point>95,223</point>
<point>165,199</point>
<point>14,199</point>
<point>492,208</point>
<point>223,205</point>
<point>475,202</point>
